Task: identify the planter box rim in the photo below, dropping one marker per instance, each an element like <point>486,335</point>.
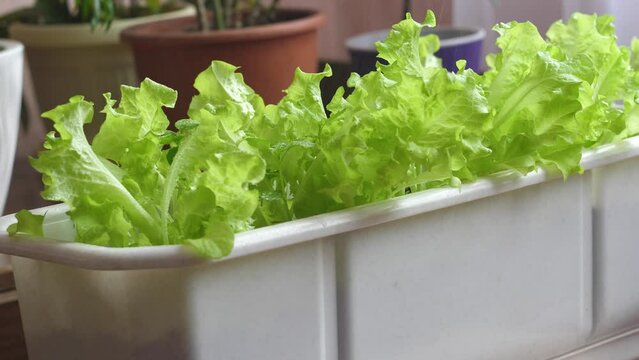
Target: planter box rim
<point>292,232</point>
<point>173,31</point>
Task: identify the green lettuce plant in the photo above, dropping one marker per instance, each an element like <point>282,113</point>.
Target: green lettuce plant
<point>410,125</point>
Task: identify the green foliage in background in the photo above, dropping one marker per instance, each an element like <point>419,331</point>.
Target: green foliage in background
<point>95,12</point>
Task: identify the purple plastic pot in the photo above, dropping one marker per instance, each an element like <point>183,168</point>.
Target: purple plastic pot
<point>455,43</point>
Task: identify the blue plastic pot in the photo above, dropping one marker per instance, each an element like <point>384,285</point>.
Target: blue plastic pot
<point>456,43</point>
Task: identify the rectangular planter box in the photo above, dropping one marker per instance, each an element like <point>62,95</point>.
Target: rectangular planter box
<point>499,269</point>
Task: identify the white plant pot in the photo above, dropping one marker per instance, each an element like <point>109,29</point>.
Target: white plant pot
<point>499,269</point>
<point>11,64</point>
<point>71,59</point>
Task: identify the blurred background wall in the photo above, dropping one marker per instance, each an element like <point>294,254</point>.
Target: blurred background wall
<point>485,13</point>
<point>8,5</point>
<point>349,17</point>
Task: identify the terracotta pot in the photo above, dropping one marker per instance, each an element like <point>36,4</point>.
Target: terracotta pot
<point>172,53</point>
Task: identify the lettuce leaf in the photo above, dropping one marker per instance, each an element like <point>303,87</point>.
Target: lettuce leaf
<point>105,209</point>
<point>535,99</point>
<point>288,137</point>
<point>27,224</point>
<point>213,162</point>
<point>589,43</point>
<point>139,184</point>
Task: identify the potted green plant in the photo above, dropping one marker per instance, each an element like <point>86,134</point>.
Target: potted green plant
<point>74,48</point>
<point>267,42</point>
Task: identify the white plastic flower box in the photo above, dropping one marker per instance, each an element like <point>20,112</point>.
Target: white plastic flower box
<point>499,269</point>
